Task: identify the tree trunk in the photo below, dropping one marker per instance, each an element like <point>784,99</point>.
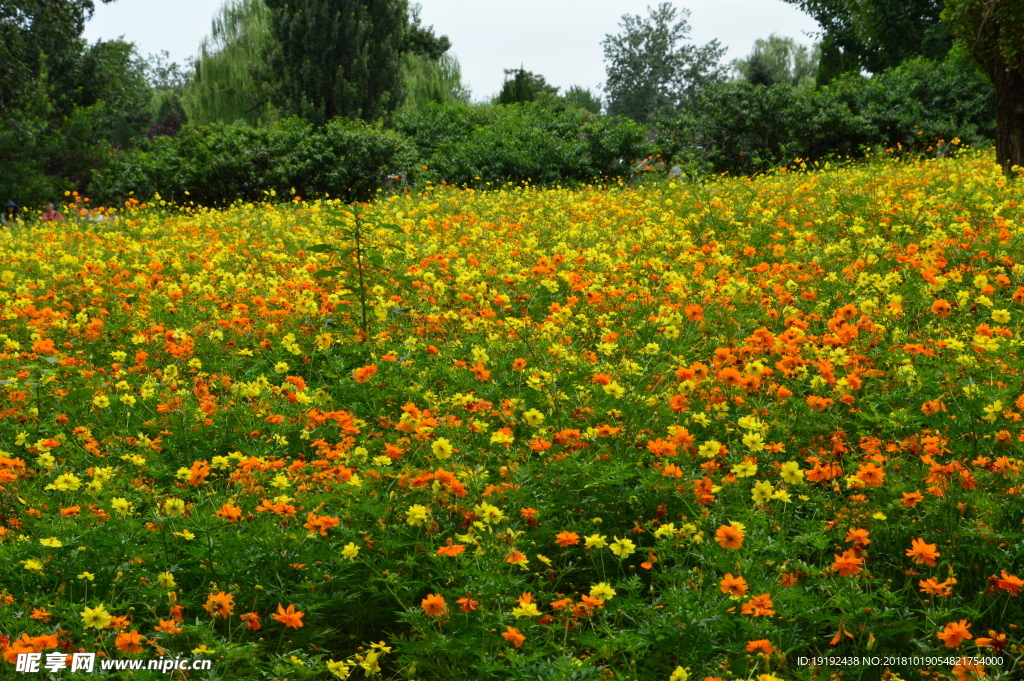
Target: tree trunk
<point>1009,115</point>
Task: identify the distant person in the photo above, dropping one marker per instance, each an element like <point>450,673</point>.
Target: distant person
<point>10,214</point>
<point>51,214</point>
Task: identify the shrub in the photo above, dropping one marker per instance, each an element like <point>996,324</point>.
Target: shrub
<point>219,164</point>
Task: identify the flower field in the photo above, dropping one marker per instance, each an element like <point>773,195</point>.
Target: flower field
<point>679,431</point>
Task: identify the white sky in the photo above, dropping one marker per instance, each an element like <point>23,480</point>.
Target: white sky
<point>559,39</point>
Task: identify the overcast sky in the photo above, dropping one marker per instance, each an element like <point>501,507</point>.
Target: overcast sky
<point>559,39</point>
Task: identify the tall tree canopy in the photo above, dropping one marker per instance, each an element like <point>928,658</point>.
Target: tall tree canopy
<point>233,80</point>
<point>779,60</point>
<point>876,34</point>
<point>993,33</point>
<point>340,57</point>
<point>39,37</point>
<point>651,69</point>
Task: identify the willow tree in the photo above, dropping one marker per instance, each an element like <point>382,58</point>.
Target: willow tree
<point>427,80</point>
<point>233,80</point>
<point>993,31</point>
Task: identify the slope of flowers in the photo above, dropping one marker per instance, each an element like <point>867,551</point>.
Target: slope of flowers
<point>680,431</point>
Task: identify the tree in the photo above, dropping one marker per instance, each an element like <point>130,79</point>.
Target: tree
<point>583,98</point>
<point>993,33</point>
<point>876,34</point>
<point>525,86</point>
<point>339,57</point>
<point>650,70</point>
<point>779,60</point>
<point>233,80</point>
<point>428,81</point>
<point>37,38</point>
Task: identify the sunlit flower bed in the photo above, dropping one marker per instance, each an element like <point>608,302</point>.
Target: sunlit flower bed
<point>689,430</point>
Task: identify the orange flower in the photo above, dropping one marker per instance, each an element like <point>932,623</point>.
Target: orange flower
<point>912,499</point>
<point>954,633</point>
<point>169,627</point>
<point>759,606</point>
<point>923,553</point>
<point>252,621</point>
<point>935,587</point>
<point>870,474</point>
<point>1010,583</point>
<point>290,617</point>
<point>130,642</point>
<point>941,308</point>
<point>858,536</point>
<point>730,536</point>
<point>513,636</point>
<point>467,604</point>
<point>320,523</point>
<point>41,614</point>
<point>451,550</point>
<point>519,364</point>
<point>694,313</point>
<point>219,604</point>
<point>516,558</point>
<point>434,605</point>
<point>734,586</point>
<point>848,563</point>
<point>761,645</point>
<point>230,513</point>
<point>363,374</point>
<point>567,539</point>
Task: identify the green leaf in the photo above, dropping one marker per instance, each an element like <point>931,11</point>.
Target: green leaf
<point>321,274</point>
<point>390,226</point>
<point>321,248</point>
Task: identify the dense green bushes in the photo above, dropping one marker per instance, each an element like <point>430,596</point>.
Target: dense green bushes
<point>741,127</point>
<point>219,164</point>
<point>546,142</point>
<point>731,127</point>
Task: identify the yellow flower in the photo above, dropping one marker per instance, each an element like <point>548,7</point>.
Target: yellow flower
<point>87,576</point>
<point>1001,316</point>
<point>595,541</point>
<point>417,515</point>
<point>350,551</point>
<point>185,534</point>
<point>526,610</point>
<point>533,417</point>
<point>622,547</point>
<point>680,674</point>
<point>762,492</point>
<point>791,473</point>
<point>710,449</point>
<point>166,580</point>
<point>281,367</point>
<point>744,470</point>
<point>488,513</point>
<point>68,482</point>
<point>602,590</point>
<point>441,448</point>
<point>101,401</point>
<point>174,507</point>
<point>32,564</point>
<point>97,618</point>
<point>121,506</point>
<point>339,669</point>
<point>753,441</point>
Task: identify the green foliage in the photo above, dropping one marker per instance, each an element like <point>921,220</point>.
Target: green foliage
<point>780,60</point>
<point>739,127</point>
<point>876,34</point>
<point>220,164</point>
<point>651,72</point>
<point>420,39</point>
<point>233,80</point>
<point>339,57</point>
<point>583,98</point>
<point>428,81</point>
<point>993,33</point>
<point>546,142</point>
